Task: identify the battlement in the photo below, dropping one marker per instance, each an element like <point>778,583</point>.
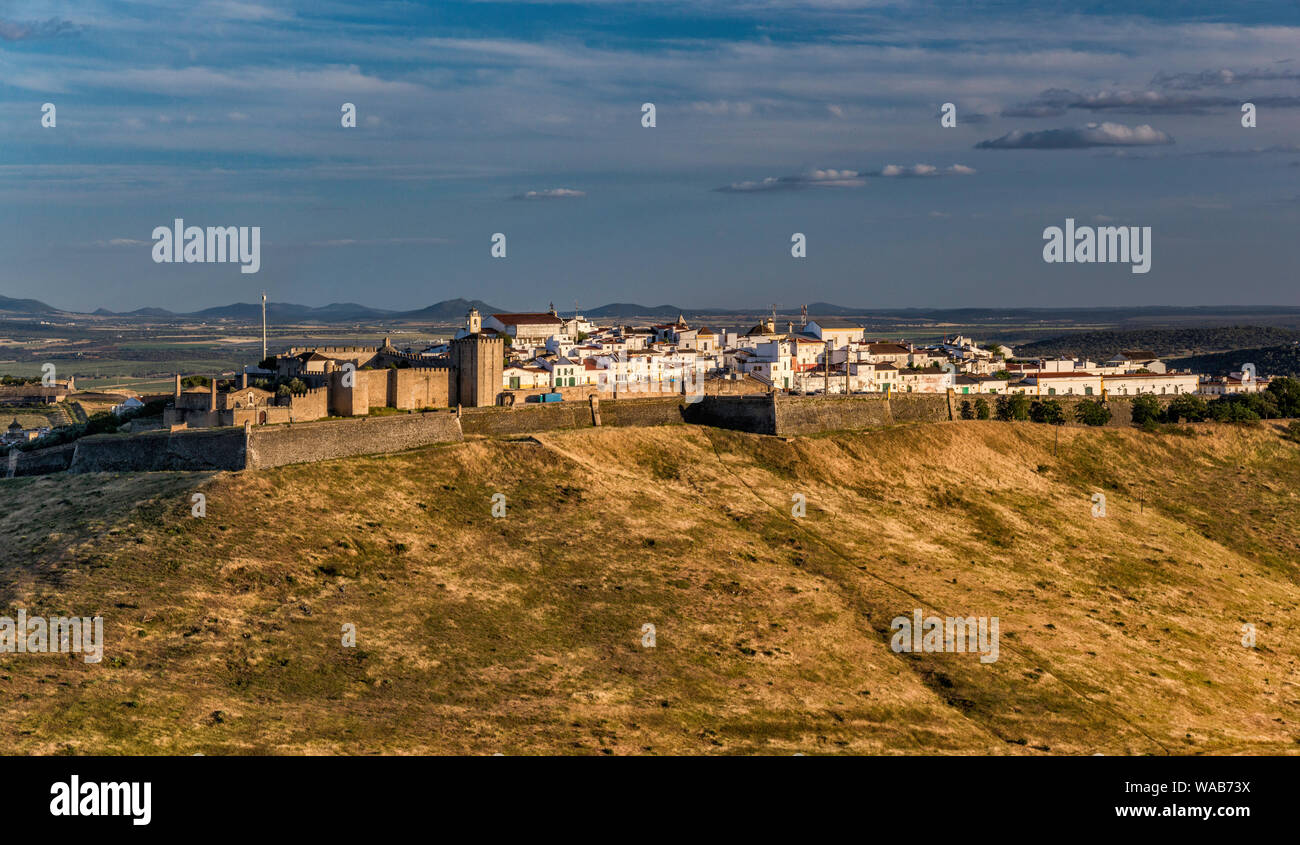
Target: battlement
<point>298,350</point>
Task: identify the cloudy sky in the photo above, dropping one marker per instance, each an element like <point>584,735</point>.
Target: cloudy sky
<point>820,117</point>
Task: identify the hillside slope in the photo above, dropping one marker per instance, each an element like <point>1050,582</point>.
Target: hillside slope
<point>522,634</point>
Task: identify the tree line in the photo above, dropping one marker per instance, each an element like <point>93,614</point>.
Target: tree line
<point>1281,400</point>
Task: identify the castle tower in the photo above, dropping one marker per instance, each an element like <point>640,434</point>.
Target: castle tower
<point>476,361</point>
<point>474,321</point>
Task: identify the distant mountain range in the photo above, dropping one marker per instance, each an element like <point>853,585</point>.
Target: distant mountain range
<point>279,312</point>
<point>1017,318</point>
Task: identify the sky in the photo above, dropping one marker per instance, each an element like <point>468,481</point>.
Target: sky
<point>820,117</point>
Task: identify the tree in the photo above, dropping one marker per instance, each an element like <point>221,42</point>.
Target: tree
<point>982,408</point>
<point>1224,409</point>
<point>1020,407</point>
<point>1047,411</point>
<point>967,412</point>
<point>1092,412</point>
<point>195,381</point>
<point>1187,407</point>
<point>1286,394</point>
<point>1146,409</point>
<point>1002,408</point>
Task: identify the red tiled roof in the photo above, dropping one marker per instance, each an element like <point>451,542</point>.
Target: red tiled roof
<point>530,319</point>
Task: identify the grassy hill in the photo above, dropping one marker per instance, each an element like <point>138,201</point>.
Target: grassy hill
<point>521,635</point>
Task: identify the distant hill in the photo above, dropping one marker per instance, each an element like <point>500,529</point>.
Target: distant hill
<point>26,306</point>
<point>287,312</point>
<point>449,309</point>
<point>139,312</point>
<point>1100,345</point>
<point>829,309</point>
<point>628,309</point>
<point>1269,361</point>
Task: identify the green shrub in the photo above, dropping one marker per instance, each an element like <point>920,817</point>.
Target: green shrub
<point>1047,411</point>
<point>1092,412</point>
<point>1187,407</point>
<point>1146,409</point>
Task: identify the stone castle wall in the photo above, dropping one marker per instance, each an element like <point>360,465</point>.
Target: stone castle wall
<point>237,448</point>
<point>312,405</point>
<point>201,449</point>
<point>274,446</point>
<point>522,419</point>
<point>43,461</point>
<point>414,389</point>
<point>755,414</point>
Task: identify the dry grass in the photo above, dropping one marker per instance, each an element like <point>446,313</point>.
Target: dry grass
<point>522,634</point>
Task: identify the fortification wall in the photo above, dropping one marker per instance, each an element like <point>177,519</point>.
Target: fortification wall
<point>342,352</point>
<point>44,461</point>
<point>919,407</point>
<point>522,419</point>
<point>1121,407</point>
<point>312,405</point>
<point>813,414</point>
<point>201,449</point>
<point>646,411</point>
<point>273,446</point>
<point>415,388</point>
<point>755,414</point>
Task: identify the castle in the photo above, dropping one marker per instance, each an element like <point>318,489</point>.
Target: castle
<point>348,381</point>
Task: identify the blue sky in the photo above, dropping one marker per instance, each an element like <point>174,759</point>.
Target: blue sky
<point>773,118</point>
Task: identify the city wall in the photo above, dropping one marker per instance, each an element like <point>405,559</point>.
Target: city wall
<point>43,461</point>
<point>522,419</point>
<point>200,449</point>
<point>237,448</point>
<point>273,446</point>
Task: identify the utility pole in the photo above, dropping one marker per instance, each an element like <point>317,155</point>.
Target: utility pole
<point>826,361</point>
<point>263,325</point>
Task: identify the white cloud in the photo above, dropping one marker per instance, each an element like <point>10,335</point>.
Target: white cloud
<point>1079,137</point>
<point>551,194</point>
